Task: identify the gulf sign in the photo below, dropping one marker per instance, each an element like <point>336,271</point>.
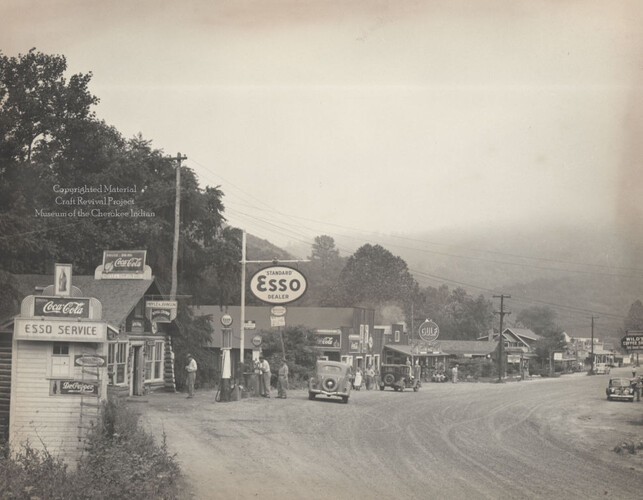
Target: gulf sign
<point>278,284</point>
<point>429,331</point>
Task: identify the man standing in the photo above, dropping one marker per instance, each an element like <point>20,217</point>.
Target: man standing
<point>282,383</point>
<point>454,374</point>
<point>264,366</point>
<point>191,369</point>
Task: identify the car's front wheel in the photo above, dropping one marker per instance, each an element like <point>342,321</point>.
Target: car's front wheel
<point>311,395</point>
<point>345,399</point>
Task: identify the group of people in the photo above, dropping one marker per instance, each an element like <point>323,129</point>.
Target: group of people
<point>262,367</point>
<point>369,378</point>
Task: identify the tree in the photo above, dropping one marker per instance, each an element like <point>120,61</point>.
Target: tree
<point>540,320</point>
<point>634,318</point>
<point>373,277</point>
<point>324,251</point>
<point>458,315</point>
<point>322,271</point>
<point>298,342</point>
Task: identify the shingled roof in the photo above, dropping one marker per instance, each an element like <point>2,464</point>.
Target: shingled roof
<point>118,297</point>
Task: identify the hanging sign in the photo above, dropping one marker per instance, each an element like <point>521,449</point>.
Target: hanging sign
<point>278,284</point>
<point>278,311</point>
<point>161,311</point>
<point>92,360</point>
<point>277,321</point>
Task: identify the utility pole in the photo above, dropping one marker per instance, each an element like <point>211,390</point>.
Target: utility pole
<point>591,356</point>
<point>243,295</point>
<point>501,347</point>
<point>168,372</point>
<point>177,222</point>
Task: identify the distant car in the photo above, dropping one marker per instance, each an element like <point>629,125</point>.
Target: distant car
<point>399,377</point>
<point>601,368</point>
<point>332,379</point>
<point>620,388</point>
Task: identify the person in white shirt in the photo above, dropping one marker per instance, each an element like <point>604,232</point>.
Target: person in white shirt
<point>191,369</point>
<point>264,366</point>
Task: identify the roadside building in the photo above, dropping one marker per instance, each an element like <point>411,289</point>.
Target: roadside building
<point>48,378</point>
<point>437,357</point>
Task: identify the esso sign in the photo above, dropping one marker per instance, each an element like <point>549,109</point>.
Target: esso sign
<point>278,284</point>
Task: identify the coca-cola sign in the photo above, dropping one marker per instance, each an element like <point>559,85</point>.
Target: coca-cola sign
<point>328,341</point>
<point>121,262</point>
<point>61,307</point>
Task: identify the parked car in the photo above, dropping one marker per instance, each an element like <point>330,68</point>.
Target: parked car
<point>601,368</point>
<point>399,377</point>
<point>620,388</point>
<point>331,379</point>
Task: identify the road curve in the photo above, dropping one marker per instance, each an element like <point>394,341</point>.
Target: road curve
<point>543,439</point>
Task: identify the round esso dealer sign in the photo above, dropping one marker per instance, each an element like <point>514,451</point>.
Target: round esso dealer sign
<point>278,284</point>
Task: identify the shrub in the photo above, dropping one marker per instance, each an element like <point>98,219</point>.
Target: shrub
<point>121,461</point>
<point>34,474</point>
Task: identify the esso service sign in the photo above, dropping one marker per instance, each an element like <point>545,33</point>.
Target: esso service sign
<point>429,331</point>
<point>278,284</point>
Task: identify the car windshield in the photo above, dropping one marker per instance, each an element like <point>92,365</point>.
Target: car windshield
<point>619,382</point>
<point>331,369</point>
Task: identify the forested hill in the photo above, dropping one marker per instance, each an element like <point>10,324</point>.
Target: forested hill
<point>579,272</point>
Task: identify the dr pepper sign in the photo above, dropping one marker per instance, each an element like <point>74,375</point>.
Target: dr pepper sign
<point>278,284</point>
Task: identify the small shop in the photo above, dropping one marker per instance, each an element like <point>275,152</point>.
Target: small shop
<point>116,317</point>
<point>58,380</point>
<point>430,360</point>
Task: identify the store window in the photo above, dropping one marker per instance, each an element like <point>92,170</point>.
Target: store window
<point>154,361</point>
<point>117,361</point>
<point>60,360</point>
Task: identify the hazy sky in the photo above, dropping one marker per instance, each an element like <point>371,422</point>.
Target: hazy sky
<point>387,116</point>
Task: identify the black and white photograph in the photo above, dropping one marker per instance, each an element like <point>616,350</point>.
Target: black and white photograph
<point>303,249</point>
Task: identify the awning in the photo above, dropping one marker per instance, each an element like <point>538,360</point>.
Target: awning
<point>408,351</point>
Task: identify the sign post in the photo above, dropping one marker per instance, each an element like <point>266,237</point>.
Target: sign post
<point>243,286</point>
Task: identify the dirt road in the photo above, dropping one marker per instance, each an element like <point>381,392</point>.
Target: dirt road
<point>550,438</point>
